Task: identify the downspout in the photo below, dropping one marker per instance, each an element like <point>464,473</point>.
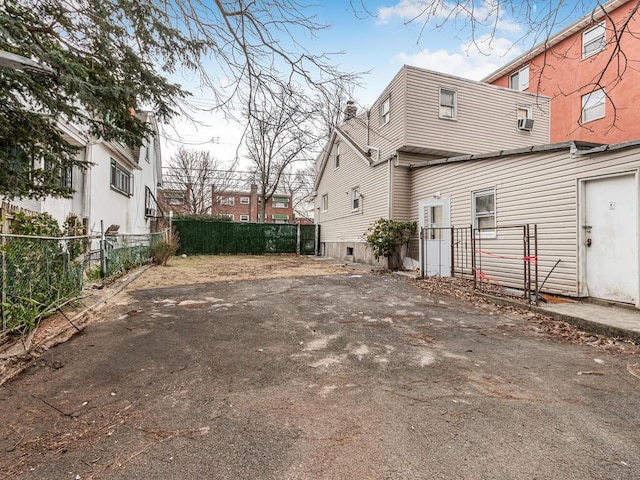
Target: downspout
<point>389,186</point>
<point>368,113</point>
<point>86,188</point>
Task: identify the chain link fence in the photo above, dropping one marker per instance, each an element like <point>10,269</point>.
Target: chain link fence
<point>40,274</point>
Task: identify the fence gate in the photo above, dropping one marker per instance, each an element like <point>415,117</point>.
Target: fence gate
<point>435,237</point>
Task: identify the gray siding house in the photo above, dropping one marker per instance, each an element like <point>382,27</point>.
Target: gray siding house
<point>364,173</point>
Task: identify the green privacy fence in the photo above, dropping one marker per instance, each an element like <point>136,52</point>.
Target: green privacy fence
<point>201,236</point>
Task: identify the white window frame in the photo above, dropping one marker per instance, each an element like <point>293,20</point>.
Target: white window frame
<point>355,199</point>
<point>121,179</point>
<point>324,204</point>
<point>594,36</point>
<point>593,102</point>
<point>228,215</point>
<point>475,216</point>
<point>453,106</point>
<point>227,200</point>
<point>244,218</point>
<point>518,78</point>
<point>245,200</point>
<point>385,111</point>
<point>336,158</point>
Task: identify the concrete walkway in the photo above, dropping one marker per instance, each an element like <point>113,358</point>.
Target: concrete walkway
<point>608,320</point>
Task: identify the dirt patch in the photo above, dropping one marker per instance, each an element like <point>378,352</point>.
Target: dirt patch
<point>216,268</point>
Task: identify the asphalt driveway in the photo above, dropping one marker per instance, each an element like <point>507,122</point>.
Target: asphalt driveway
<point>356,376</point>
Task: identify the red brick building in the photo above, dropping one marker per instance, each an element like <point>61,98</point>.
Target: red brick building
<point>245,206</point>
<point>586,104</point>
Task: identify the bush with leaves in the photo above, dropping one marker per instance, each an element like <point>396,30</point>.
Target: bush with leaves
<point>387,236</point>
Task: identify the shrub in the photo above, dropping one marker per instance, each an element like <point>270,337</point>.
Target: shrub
<point>386,237</point>
<point>165,249</point>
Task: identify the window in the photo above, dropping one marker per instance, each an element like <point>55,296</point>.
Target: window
<point>244,200</point>
<point>593,40</point>
<point>244,218</point>
<point>120,179</point>
<point>448,104</point>
<point>384,111</point>
<point>523,111</point>
<point>336,158</point>
<point>593,106</point>
<point>227,200</point>
<point>276,218</point>
<point>520,79</point>
<point>355,198</point>
<point>228,215</point>
<point>64,175</point>
<point>484,212</point>
<point>176,197</point>
<point>524,117</point>
<point>325,202</point>
<point>280,202</point>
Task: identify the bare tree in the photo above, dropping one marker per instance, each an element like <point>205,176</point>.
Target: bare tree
<point>191,175</point>
<point>279,134</point>
<point>92,62</point>
<point>299,183</point>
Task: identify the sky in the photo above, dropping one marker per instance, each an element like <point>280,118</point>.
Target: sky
<point>377,37</point>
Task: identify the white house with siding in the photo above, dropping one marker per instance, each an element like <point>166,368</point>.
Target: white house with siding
<point>119,188</point>
<point>364,174</point>
<point>583,198</point>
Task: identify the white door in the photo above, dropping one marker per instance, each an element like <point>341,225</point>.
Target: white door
<point>435,245</point>
<point>610,238</point>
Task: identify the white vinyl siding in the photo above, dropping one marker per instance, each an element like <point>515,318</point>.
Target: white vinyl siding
<point>593,106</point>
<point>448,104</point>
<point>593,40</point>
<point>520,79</point>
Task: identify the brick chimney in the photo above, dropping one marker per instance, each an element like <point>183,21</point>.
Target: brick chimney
<point>350,110</point>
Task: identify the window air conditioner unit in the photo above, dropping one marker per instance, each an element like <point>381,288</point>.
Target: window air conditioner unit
<point>525,124</point>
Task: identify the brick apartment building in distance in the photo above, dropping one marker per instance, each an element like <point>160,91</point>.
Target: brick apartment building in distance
<point>245,206</point>
<point>589,70</point>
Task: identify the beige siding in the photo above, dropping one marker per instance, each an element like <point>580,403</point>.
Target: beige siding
<point>401,194</point>
<point>534,188</point>
<point>389,137</point>
<point>340,223</point>
<point>486,115</point>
